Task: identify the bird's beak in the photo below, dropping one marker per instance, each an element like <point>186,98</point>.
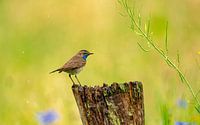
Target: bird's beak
<point>91,53</point>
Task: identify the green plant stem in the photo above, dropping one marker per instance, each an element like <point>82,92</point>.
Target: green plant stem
<point>160,51</point>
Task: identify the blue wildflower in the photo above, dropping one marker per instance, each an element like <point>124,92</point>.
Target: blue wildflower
<point>184,123</point>
<point>182,103</point>
<point>47,117</point>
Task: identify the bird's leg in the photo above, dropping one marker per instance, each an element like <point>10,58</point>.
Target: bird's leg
<point>71,79</point>
<point>77,80</point>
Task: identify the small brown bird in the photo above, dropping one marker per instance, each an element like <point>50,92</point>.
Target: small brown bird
<point>75,64</point>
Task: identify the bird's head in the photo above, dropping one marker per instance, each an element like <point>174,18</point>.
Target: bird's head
<point>84,54</point>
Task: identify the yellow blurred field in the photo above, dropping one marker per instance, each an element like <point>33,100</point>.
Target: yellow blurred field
<point>37,37</point>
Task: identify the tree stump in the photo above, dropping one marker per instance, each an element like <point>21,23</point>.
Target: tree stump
<point>118,104</point>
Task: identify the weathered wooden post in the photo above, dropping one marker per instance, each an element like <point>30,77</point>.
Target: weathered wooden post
<point>118,104</point>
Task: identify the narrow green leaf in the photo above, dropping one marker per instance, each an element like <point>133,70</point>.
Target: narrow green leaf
<point>198,109</point>
<point>166,38</point>
<point>145,28</point>
<point>129,12</point>
<point>131,15</point>
<point>148,28</point>
<point>178,58</point>
<point>132,27</point>
<point>197,62</point>
<point>181,77</point>
<point>142,48</point>
<point>125,4</point>
<point>165,114</point>
<point>139,34</point>
<point>139,20</point>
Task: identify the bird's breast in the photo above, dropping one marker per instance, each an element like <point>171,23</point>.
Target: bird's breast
<point>74,71</point>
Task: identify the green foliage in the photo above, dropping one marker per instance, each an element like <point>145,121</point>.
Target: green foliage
<point>137,22</point>
<point>165,114</point>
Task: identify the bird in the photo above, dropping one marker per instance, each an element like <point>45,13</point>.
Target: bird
<point>74,65</point>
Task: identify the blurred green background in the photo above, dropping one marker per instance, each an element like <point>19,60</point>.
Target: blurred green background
<point>37,37</point>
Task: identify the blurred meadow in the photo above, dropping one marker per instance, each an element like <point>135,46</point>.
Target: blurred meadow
<point>37,37</point>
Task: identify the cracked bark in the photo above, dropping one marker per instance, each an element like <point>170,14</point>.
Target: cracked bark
<point>118,104</point>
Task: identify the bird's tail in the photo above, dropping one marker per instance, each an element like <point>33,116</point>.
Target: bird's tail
<point>60,70</point>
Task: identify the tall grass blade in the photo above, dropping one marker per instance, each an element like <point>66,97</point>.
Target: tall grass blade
<point>166,38</point>
<point>139,34</point>
<point>181,77</point>
<point>198,109</point>
<point>165,114</point>
<point>178,58</point>
<point>139,20</point>
<point>148,28</point>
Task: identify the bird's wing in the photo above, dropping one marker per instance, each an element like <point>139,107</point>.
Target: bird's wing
<point>73,63</point>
